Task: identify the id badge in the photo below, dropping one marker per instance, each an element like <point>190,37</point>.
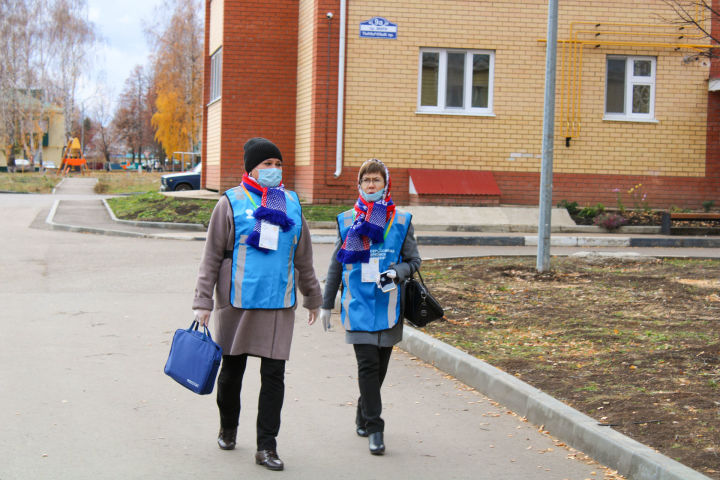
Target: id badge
<point>269,234</point>
<point>371,271</point>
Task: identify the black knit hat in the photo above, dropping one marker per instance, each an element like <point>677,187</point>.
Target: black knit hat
<point>257,150</point>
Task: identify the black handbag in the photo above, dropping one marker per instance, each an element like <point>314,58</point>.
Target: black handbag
<point>420,307</point>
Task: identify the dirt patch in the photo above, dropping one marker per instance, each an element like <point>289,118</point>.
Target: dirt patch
<point>634,344</point>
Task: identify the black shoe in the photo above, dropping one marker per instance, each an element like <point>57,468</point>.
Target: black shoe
<point>361,431</point>
<point>375,441</point>
<point>226,438</point>
<point>270,459</point>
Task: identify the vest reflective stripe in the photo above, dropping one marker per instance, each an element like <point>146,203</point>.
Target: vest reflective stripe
<point>262,280</point>
<point>364,306</point>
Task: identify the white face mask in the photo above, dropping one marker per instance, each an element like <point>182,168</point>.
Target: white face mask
<point>269,177</point>
<point>372,197</point>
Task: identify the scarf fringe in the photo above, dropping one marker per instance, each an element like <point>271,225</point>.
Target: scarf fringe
<point>275,217</point>
<point>372,231</point>
<point>357,256</point>
<point>254,241</point>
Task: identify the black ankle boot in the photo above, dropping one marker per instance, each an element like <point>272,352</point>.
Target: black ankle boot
<point>226,438</point>
<point>376,443</point>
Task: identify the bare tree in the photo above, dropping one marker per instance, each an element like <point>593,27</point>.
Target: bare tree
<point>177,73</point>
<point>699,14</point>
<point>132,118</point>
<point>70,37</point>
<point>43,44</point>
<point>104,139</point>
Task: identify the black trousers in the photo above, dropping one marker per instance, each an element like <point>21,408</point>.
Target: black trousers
<point>372,363</point>
<point>270,402</point>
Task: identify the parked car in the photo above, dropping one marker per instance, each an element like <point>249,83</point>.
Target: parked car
<point>23,165</point>
<point>49,165</point>
<point>173,182</point>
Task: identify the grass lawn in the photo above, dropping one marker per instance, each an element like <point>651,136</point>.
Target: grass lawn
<point>633,344</point>
<point>28,182</point>
<point>109,183</point>
<point>127,182</point>
<point>156,207</point>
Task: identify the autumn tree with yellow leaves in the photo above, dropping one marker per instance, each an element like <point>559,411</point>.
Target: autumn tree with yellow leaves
<point>177,64</point>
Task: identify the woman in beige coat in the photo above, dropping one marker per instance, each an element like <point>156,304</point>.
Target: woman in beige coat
<point>257,239</point>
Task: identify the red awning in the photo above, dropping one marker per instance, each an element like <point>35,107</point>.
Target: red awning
<point>452,182</point>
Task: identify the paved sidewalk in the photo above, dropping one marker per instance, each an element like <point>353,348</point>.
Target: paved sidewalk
<point>572,427</point>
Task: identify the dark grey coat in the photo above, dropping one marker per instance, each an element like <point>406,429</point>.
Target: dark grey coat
<point>263,333</point>
<point>410,264</point>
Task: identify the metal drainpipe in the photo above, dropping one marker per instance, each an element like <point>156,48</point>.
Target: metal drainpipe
<point>341,91</point>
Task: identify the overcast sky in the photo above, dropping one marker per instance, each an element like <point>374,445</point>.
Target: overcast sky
<point>122,24</point>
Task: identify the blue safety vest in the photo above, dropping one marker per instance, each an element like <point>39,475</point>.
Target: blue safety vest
<point>262,280</point>
<point>364,307</point>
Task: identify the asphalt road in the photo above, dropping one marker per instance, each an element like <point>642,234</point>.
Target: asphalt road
<point>86,325</point>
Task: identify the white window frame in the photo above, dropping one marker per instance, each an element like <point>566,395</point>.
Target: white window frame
<point>215,75</point>
<point>630,81</point>
<point>440,108</point>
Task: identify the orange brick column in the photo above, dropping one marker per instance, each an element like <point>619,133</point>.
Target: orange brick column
<point>259,81</point>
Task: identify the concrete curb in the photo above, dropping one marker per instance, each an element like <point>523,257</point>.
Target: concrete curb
<point>570,241</point>
<point>104,231</point>
<point>57,185</point>
<point>584,229</point>
<point>703,242</point>
<point>607,446</point>
<point>196,227</point>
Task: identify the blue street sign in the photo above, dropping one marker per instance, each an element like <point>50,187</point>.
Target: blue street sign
<point>378,27</point>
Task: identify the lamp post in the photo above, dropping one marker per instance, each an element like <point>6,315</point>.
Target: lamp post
<point>543,253</point>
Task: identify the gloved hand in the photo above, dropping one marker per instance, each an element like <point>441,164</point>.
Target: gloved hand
<point>325,319</point>
<point>387,274</point>
<point>312,315</point>
<point>202,317</point>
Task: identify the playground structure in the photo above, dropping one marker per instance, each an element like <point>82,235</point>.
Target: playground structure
<point>73,157</point>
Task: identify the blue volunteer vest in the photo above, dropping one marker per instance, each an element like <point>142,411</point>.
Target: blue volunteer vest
<point>262,280</point>
<point>364,307</point>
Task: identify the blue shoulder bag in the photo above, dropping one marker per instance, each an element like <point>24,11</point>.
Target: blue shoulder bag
<point>194,359</point>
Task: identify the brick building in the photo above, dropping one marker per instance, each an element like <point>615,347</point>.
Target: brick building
<point>450,95</point>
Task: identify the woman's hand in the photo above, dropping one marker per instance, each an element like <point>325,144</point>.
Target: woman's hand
<point>312,315</point>
<point>202,317</point>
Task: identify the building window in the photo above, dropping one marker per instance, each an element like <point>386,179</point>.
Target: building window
<point>216,75</point>
<point>630,88</point>
<point>456,81</point>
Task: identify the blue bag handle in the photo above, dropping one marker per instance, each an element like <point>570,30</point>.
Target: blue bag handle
<point>194,326</point>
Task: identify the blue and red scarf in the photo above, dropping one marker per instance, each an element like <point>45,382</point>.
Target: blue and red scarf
<point>369,226</point>
<point>272,209</point>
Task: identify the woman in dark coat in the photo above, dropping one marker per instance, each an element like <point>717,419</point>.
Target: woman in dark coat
<point>374,253</point>
<point>257,240</point>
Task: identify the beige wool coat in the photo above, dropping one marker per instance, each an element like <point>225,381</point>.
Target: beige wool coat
<point>262,333</point>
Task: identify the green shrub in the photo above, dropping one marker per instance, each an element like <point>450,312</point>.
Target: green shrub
<point>592,211</point>
<point>572,207</point>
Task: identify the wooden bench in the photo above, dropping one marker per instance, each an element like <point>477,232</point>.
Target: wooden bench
<point>668,217</point>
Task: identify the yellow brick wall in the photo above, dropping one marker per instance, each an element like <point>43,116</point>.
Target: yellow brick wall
<point>217,8</point>
<point>382,78</point>
<point>306,45</point>
<point>214,118</point>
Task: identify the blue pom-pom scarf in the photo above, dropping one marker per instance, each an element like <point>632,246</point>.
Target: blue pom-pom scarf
<point>272,209</point>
